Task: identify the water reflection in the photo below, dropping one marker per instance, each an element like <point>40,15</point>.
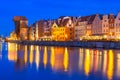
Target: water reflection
<point>31,55</point>
<point>0,50</point>
<point>25,54</point>
<point>87,62</point>
<point>64,59</point>
<point>37,57</point>
<point>52,57</point>
<point>45,57</point>
<point>110,64</point>
<point>12,52</point>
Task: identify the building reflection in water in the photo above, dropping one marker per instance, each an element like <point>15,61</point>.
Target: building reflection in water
<point>91,59</point>
<point>110,64</point>
<point>12,51</point>
<point>66,58</point>
<point>25,54</point>
<point>118,65</point>
<point>81,58</point>
<point>57,59</point>
<point>45,57</point>
<point>0,50</point>
<point>96,56</point>
<point>52,57</point>
<point>87,62</point>
<point>105,58</point>
<point>31,54</point>
<point>37,57</point>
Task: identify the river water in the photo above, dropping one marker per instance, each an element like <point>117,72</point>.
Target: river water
<point>30,62</point>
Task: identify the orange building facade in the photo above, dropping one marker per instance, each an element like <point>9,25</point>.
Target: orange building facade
<point>62,33</point>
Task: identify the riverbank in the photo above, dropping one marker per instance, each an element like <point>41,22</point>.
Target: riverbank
<point>86,44</point>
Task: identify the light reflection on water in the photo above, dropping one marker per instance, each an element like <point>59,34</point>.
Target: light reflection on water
<point>101,64</point>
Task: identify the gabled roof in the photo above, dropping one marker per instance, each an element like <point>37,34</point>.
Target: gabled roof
<point>64,22</point>
<point>111,16</point>
<point>91,19</point>
<point>88,19</point>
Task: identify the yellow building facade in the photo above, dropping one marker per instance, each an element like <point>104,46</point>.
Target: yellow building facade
<point>62,33</point>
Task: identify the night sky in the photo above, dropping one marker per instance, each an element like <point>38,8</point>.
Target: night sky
<point>51,9</point>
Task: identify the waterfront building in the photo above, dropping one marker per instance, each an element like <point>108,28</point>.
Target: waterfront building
<point>111,25</point>
<point>105,25</point>
<point>95,20</point>
<point>88,26</point>
<point>117,25</point>
<point>13,36</point>
<point>21,27</point>
<point>31,33</point>
<point>47,28</point>
<point>66,21</point>
<point>80,28</point>
<point>61,33</point>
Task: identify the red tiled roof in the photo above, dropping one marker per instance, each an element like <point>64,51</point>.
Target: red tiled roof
<point>18,18</point>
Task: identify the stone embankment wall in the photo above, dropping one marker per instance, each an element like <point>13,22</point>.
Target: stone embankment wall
<point>86,44</point>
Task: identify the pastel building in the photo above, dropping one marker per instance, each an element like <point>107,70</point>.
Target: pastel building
<point>105,25</point>
<point>117,25</point>
<point>111,24</point>
<point>80,28</point>
<point>87,26</point>
<point>96,24</point>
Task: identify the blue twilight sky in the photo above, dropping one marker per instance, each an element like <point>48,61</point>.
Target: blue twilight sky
<point>50,9</point>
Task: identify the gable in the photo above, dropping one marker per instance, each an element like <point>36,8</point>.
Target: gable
<point>97,19</point>
<point>118,18</point>
<point>54,25</point>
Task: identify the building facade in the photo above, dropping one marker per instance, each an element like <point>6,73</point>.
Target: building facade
<point>21,27</point>
<point>62,33</point>
<point>31,36</point>
<point>105,25</point>
<point>80,29</point>
<point>88,26</point>
<point>111,24</point>
<point>96,22</point>
<point>117,25</point>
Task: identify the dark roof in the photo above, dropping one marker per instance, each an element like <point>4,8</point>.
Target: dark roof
<point>18,18</point>
<point>89,19</point>
<point>64,22</point>
<point>111,16</point>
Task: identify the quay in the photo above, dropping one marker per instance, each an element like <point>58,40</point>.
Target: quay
<point>84,44</point>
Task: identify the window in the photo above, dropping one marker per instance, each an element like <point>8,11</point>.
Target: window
<point>70,25</point>
<point>104,25</point>
<point>105,20</point>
